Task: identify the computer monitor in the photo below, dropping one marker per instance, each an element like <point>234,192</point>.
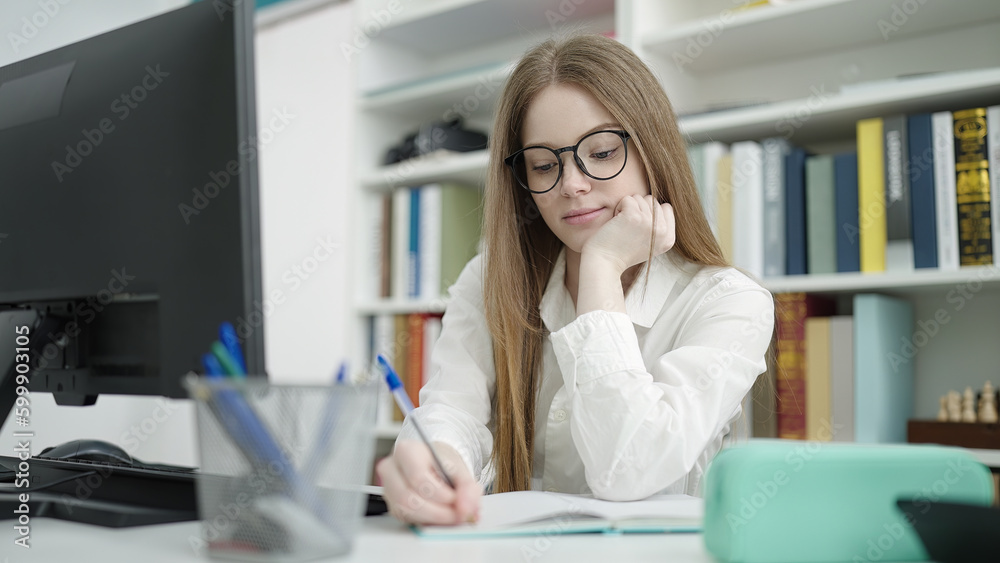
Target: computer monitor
<point>129,220</point>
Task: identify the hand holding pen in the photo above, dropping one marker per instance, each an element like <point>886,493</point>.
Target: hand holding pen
<point>424,482</point>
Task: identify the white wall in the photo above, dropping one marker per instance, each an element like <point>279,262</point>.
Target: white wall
<point>304,175</point>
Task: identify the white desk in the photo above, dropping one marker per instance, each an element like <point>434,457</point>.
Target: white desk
<point>382,539</point>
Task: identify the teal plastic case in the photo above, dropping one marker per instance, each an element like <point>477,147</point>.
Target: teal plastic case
<point>794,501</point>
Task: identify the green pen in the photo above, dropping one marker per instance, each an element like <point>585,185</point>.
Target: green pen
<point>226,359</point>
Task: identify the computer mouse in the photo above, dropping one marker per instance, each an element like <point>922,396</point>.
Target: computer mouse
<point>88,450</point>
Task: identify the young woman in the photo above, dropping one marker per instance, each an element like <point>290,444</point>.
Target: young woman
<point>600,344</point>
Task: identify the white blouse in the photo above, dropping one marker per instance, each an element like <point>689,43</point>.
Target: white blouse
<point>628,405</point>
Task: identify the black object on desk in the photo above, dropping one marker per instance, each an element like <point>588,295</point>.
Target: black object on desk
<point>953,532</point>
<point>115,496</point>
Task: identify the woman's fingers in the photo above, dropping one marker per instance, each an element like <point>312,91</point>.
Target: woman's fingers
<point>416,493</point>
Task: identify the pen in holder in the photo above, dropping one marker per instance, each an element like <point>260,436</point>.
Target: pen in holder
<point>264,491</point>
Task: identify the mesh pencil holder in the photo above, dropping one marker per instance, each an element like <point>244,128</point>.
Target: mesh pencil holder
<point>281,468</point>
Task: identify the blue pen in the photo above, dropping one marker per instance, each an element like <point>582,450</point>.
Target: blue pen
<point>403,400</point>
<point>227,335</point>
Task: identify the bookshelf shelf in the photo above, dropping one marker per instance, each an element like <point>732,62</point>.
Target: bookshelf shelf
<point>442,27</point>
<point>805,24</point>
<point>913,282</point>
<point>442,95</point>
<point>401,307</point>
<point>835,115</point>
<point>467,168</point>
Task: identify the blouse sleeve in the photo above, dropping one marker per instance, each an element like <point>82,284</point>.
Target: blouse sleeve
<point>455,401</point>
<point>639,428</point>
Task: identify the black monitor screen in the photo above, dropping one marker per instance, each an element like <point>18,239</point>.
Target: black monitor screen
<point>128,202</point>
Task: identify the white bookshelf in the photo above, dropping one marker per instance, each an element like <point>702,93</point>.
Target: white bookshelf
<point>767,63</point>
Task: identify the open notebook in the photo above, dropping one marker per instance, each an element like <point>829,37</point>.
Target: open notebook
<point>537,512</point>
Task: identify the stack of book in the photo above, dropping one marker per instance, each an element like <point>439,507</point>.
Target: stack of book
<point>918,192</point>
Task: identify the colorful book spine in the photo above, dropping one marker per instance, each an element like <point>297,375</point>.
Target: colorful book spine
<point>400,353</point>
<point>920,140</point>
<point>748,207</point>
<point>724,205</point>
<point>899,234</point>
<point>414,378</point>
<point>883,368</point>
<point>429,253</point>
<point>775,149</point>
<point>845,180</point>
<point>400,243</point>
<point>871,195</point>
<point>944,189</point>
<point>993,149</point>
<point>461,226</point>
<point>821,229</point>
<point>712,152</point>
<point>413,246</point>
<point>972,188</point>
<point>792,310</point>
<point>796,262</point>
<point>819,416</point>
<point>842,377</point>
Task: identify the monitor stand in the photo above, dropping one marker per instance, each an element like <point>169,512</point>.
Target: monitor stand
<point>87,492</point>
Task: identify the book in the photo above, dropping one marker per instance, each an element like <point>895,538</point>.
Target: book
<point>993,152</point>
<point>382,342</point>
<point>400,243</point>
<point>775,150</point>
<point>461,228</point>
<point>817,379</point>
<point>883,368</point>
<point>920,172</point>
<point>400,353</point>
<point>944,190</point>
<point>795,213</point>
<point>871,195</point>
<point>522,513</point>
<point>748,207</point>
<point>413,246</point>
<point>724,205</point>
<point>821,229</point>
<point>413,377</point>
<point>792,310</point>
<point>842,377</point>
<point>712,152</point>
<point>972,188</point>
<point>896,157</point>
<point>845,181</point>
<point>429,245</point>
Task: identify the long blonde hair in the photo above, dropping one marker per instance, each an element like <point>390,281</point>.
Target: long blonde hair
<point>520,250</point>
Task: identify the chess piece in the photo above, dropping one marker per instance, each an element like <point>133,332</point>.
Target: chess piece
<point>988,405</point>
<point>968,406</point>
<point>942,414</point>
<point>954,406</point>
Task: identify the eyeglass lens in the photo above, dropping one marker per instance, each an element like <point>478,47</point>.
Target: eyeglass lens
<point>601,156</point>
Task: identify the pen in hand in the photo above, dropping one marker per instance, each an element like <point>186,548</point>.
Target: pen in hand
<point>403,401</point>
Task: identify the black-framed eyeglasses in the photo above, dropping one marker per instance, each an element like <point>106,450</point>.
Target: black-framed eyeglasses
<point>600,155</point>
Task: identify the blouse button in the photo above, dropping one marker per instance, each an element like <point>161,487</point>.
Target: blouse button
<point>559,415</point>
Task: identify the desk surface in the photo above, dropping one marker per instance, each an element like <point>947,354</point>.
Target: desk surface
<point>382,539</point>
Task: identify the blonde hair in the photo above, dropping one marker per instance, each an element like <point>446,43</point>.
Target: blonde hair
<point>520,248</point>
